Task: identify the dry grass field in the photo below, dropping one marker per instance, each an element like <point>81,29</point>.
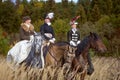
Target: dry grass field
<point>105,69</point>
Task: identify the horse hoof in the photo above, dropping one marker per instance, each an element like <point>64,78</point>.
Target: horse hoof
<point>90,71</point>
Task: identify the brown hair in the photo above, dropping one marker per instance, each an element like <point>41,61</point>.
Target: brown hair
<point>26,18</point>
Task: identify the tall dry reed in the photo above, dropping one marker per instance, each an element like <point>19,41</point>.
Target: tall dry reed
<point>105,69</point>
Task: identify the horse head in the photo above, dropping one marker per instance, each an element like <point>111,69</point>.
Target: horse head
<point>97,43</point>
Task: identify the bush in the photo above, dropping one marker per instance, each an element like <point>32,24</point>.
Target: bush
<point>61,28</point>
<point>37,25</point>
<point>4,42</point>
<point>115,19</point>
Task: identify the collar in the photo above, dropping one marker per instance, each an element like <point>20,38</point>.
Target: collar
<point>74,30</point>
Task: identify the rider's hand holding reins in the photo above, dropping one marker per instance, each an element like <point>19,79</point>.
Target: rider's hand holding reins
<point>52,40</point>
<point>31,38</point>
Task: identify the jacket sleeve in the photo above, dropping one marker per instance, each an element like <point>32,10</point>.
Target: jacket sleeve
<point>53,33</point>
<point>68,36</point>
<point>32,33</point>
<point>78,35</point>
<point>78,32</point>
<point>23,36</point>
<point>42,30</point>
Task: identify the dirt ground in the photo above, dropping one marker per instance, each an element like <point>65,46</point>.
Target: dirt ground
<point>106,68</point>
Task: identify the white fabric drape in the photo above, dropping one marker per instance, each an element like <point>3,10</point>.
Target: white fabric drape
<point>20,51</point>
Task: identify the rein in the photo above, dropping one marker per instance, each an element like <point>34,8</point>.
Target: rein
<point>69,56</point>
<point>52,54</point>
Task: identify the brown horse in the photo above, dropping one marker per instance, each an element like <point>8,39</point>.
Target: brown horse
<point>80,62</point>
<point>55,53</point>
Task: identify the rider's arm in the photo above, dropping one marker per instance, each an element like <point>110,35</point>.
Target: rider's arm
<point>42,30</point>
<point>53,34</point>
<point>78,32</point>
<point>68,36</point>
<point>23,36</point>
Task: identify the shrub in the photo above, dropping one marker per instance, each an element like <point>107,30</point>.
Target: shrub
<point>61,28</point>
<point>37,25</point>
<point>4,42</point>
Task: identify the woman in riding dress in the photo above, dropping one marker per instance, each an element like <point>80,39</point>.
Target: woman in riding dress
<point>26,29</point>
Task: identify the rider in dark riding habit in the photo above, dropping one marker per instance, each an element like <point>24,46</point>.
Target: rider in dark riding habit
<point>73,37</point>
<point>46,29</point>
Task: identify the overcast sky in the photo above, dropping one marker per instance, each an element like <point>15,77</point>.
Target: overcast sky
<point>55,0</point>
<point>68,0</point>
<point>61,0</point>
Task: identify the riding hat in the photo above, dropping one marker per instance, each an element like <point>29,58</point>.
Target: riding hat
<point>49,15</point>
<point>73,20</point>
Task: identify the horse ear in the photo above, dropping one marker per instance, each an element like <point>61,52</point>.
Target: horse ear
<point>91,33</point>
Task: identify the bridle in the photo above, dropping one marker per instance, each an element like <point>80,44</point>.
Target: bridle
<point>52,55</point>
<point>70,54</point>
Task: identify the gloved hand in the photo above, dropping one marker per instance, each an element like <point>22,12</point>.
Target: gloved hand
<point>31,38</point>
<point>52,40</point>
<point>49,35</point>
<point>73,43</point>
<point>35,33</point>
<point>78,42</point>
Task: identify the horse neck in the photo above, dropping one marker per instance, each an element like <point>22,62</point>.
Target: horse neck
<point>57,50</point>
<point>86,51</point>
<point>84,47</point>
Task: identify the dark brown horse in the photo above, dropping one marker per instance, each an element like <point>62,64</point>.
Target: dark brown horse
<point>80,62</point>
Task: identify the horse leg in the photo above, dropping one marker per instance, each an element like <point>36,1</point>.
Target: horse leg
<point>75,71</point>
<point>82,77</point>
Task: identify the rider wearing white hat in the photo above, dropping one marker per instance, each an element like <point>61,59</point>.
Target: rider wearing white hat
<point>46,29</point>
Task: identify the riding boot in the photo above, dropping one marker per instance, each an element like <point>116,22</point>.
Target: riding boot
<point>90,68</point>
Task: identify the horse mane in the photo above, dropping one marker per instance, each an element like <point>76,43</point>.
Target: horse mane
<point>96,37</point>
<point>82,45</point>
<point>85,42</point>
<point>61,43</point>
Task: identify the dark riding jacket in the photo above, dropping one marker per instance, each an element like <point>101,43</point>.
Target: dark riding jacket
<point>71,36</point>
<point>25,32</point>
<point>45,28</point>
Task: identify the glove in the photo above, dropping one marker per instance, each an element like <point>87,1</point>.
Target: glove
<point>52,40</point>
<point>78,42</point>
<point>73,43</point>
<point>35,33</point>
<point>31,38</point>
<point>49,35</point>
